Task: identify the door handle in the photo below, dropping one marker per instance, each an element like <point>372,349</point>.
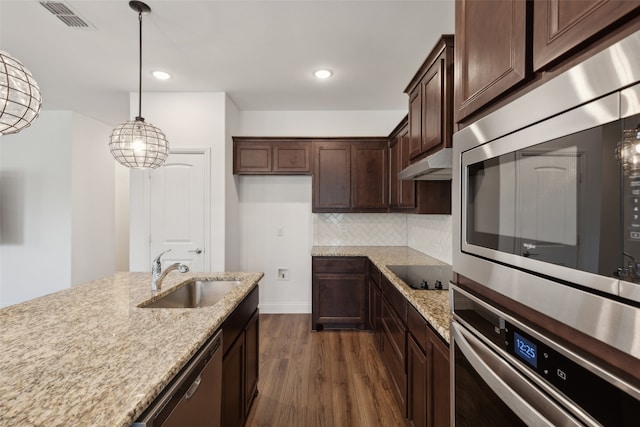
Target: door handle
<point>198,251</point>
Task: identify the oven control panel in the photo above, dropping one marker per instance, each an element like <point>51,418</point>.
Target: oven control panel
<point>577,383</point>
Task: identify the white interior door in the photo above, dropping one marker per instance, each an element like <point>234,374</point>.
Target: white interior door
<point>547,215</point>
<point>178,210</point>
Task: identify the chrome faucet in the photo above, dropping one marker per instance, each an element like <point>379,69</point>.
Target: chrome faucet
<point>157,275</point>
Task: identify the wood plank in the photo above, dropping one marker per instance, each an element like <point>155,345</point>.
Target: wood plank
<point>320,379</point>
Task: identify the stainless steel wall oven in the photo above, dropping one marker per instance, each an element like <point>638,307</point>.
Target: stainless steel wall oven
<point>546,202</point>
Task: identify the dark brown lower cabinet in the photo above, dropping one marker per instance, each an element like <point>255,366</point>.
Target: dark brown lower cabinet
<point>339,293</point>
<point>233,385</point>
<point>240,361</point>
<point>375,305</point>
<point>417,380</point>
<point>439,398</point>
<point>427,374</point>
<point>394,344</point>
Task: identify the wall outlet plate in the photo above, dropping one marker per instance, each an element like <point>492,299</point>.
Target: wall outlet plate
<point>283,273</point>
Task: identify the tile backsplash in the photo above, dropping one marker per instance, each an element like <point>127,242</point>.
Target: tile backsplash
<point>366,229</point>
<point>429,234</point>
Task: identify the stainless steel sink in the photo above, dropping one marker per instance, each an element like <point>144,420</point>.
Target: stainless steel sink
<point>194,294</point>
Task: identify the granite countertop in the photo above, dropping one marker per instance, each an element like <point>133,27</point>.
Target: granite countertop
<point>89,356</point>
<point>434,306</point>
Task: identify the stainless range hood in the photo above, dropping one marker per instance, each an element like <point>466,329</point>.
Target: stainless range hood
<point>436,167</point>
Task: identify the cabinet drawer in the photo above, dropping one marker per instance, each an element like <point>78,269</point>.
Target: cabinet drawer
<point>339,265</point>
<point>395,298</point>
<point>417,326</point>
<point>395,331</point>
<point>397,372</point>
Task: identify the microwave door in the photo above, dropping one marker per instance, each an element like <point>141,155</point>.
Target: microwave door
<point>548,197</point>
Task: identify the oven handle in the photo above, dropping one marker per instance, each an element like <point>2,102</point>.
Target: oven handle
<point>524,399</point>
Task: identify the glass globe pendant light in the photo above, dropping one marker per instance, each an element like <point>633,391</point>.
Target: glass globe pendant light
<point>20,98</point>
<point>136,143</point>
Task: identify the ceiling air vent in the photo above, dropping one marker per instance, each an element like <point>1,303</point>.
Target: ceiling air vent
<point>65,14</point>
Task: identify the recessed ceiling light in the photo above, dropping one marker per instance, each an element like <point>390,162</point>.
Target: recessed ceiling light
<point>323,74</point>
<point>161,75</point>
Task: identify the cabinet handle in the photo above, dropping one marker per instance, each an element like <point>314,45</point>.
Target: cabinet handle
<point>198,251</point>
<point>193,388</point>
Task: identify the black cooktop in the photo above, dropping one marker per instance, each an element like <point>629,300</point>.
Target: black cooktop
<point>428,277</point>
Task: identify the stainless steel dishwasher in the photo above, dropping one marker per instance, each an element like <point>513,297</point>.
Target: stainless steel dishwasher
<point>194,397</point>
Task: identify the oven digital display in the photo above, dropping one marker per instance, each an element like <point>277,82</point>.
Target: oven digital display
<point>525,349</point>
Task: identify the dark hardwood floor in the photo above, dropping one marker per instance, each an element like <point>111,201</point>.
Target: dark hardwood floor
<point>320,379</point>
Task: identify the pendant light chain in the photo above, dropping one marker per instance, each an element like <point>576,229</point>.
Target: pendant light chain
<point>140,67</point>
<point>136,143</point>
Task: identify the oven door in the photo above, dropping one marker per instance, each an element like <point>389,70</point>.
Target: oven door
<point>489,392</point>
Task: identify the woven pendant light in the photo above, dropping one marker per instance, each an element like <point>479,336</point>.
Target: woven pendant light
<point>20,98</point>
<point>137,143</point>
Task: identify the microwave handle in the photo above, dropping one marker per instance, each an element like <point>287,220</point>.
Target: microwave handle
<point>524,399</point>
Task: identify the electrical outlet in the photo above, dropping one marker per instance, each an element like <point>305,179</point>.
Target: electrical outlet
<point>280,231</point>
<point>283,273</point>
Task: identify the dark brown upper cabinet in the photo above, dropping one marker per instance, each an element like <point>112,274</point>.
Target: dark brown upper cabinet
<point>271,156</point>
<point>350,175</point>
<point>431,101</point>
<point>560,26</point>
<point>402,194</point>
<point>505,48</point>
<point>490,51</point>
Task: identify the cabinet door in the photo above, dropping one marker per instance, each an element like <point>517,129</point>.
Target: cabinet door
<point>561,25</point>
<point>252,357</point>
<point>394,169</point>
<point>331,176</point>
<point>393,353</point>
<point>233,395</point>
<point>415,122</point>
<point>439,403</point>
<point>369,184</point>
<point>490,51</point>
<point>338,299</point>
<point>432,104</point>
<point>417,375</point>
<point>292,157</point>
<point>407,197</point>
<point>251,157</point>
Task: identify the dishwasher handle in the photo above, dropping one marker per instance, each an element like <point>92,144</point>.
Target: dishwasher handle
<point>193,388</point>
<point>522,397</point>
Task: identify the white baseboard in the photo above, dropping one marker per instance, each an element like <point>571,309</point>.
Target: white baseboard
<point>284,308</point>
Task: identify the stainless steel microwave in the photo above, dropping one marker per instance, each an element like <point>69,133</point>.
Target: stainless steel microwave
<point>544,211</point>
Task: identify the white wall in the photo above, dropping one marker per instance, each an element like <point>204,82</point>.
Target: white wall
<point>36,209</point>
<point>319,123</point>
<point>232,200</point>
<point>56,207</point>
<point>93,196</point>
<point>189,120</point>
<point>269,203</point>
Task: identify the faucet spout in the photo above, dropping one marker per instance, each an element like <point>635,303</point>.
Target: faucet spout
<point>157,275</point>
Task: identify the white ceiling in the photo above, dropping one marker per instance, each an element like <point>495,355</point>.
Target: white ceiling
<point>261,53</point>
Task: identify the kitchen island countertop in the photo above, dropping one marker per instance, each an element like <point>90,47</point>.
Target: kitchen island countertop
<point>89,356</point>
<point>433,305</point>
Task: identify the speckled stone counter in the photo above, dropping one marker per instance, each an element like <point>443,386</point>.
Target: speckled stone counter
<point>89,356</point>
<point>434,306</point>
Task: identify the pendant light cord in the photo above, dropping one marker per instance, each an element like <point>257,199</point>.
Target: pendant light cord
<point>140,71</point>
